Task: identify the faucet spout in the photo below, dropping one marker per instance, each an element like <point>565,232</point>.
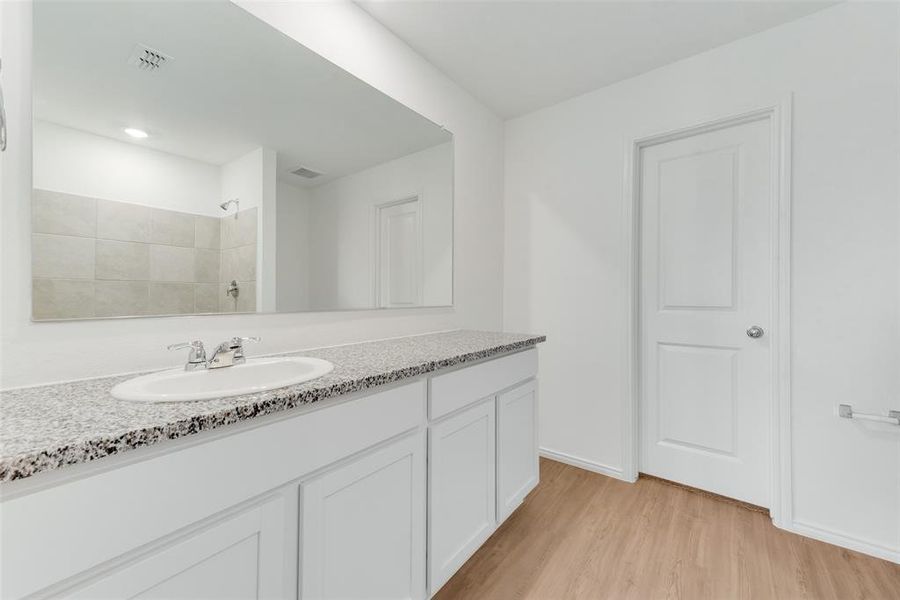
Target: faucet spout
<point>229,353</point>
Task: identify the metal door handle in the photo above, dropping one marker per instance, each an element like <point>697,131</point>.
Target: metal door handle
<point>755,331</point>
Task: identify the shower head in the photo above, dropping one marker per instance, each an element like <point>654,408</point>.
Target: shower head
<point>236,202</point>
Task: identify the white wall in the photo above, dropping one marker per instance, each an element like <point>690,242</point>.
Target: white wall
<point>565,262</point>
<point>293,253</point>
<point>341,237</point>
<point>346,35</point>
<point>77,162</point>
<point>242,180</point>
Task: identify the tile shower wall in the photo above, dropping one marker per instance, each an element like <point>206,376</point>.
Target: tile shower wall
<point>99,258</point>
<point>238,261</point>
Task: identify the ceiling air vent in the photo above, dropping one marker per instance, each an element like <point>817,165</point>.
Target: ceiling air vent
<point>304,172</point>
<point>147,59</point>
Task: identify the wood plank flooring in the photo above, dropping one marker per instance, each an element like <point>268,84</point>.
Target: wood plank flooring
<point>583,535</point>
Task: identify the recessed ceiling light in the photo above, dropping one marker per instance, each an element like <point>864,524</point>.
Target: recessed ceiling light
<point>136,133</point>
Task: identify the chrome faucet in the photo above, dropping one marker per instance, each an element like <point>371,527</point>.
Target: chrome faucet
<point>229,353</point>
<point>196,357</point>
<point>226,354</point>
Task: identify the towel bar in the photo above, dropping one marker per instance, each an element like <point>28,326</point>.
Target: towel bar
<point>846,411</point>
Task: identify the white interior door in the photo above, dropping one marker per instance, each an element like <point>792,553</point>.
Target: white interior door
<point>706,384</point>
<point>399,269</point>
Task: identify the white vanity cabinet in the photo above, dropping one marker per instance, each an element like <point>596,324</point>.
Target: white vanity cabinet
<point>462,481</point>
<point>483,461</point>
<point>240,557</point>
<point>517,447</point>
<point>378,494</point>
<point>362,526</point>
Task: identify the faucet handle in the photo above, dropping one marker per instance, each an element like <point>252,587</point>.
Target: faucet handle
<point>237,345</point>
<point>180,345</point>
<point>197,354</point>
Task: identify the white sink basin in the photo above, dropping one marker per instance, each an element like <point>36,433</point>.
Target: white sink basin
<point>256,375</point>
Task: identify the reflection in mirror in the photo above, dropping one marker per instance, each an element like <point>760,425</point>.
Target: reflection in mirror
<point>188,158</point>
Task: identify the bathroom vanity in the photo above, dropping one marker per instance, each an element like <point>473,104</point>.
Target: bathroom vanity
<point>377,480</point>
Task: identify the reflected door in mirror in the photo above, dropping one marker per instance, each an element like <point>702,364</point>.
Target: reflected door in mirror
<point>399,252</point>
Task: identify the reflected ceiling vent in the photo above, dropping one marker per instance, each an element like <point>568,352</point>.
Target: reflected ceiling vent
<point>304,172</point>
<point>147,59</point>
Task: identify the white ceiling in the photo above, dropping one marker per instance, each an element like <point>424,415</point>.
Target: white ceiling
<point>234,84</point>
<point>518,56</point>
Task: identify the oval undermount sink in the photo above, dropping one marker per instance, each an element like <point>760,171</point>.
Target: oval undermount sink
<point>255,375</point>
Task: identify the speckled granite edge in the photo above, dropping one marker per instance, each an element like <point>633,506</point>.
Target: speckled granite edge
<point>23,465</point>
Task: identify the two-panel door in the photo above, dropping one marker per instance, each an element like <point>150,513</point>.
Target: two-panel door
<point>399,275</point>
<point>706,297</point>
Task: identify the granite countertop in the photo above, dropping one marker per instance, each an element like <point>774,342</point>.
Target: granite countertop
<point>48,427</point>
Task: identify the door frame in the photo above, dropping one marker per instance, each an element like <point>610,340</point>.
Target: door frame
<point>778,114</point>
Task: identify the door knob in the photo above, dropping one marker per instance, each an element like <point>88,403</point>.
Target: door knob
<point>755,331</point>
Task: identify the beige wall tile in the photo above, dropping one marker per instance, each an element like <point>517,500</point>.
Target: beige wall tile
<point>123,221</point>
<point>228,231</point>
<point>206,265</point>
<point>228,260</point>
<point>246,263</point>
<point>121,298</point>
<point>246,229</point>
<point>239,263</point>
<point>122,261</point>
<point>206,297</point>
<point>65,214</point>
<point>171,228</point>
<point>247,300</point>
<point>239,231</point>
<point>62,256</point>
<point>171,263</point>
<point>207,232</point>
<point>171,298</point>
<point>62,299</point>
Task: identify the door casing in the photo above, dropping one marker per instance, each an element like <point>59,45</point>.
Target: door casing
<point>778,115</point>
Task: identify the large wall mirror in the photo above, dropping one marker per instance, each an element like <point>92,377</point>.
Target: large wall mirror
<point>190,159</point>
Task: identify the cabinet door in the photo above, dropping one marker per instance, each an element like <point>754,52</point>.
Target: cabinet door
<point>363,526</point>
<point>462,489</point>
<point>517,447</point>
<point>240,557</point>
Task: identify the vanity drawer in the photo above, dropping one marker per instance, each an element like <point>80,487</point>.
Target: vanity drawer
<point>457,389</point>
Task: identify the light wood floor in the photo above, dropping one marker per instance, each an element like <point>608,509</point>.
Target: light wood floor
<point>583,535</point>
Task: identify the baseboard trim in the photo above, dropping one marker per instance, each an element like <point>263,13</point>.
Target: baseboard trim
<point>581,463</point>
<point>835,538</point>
